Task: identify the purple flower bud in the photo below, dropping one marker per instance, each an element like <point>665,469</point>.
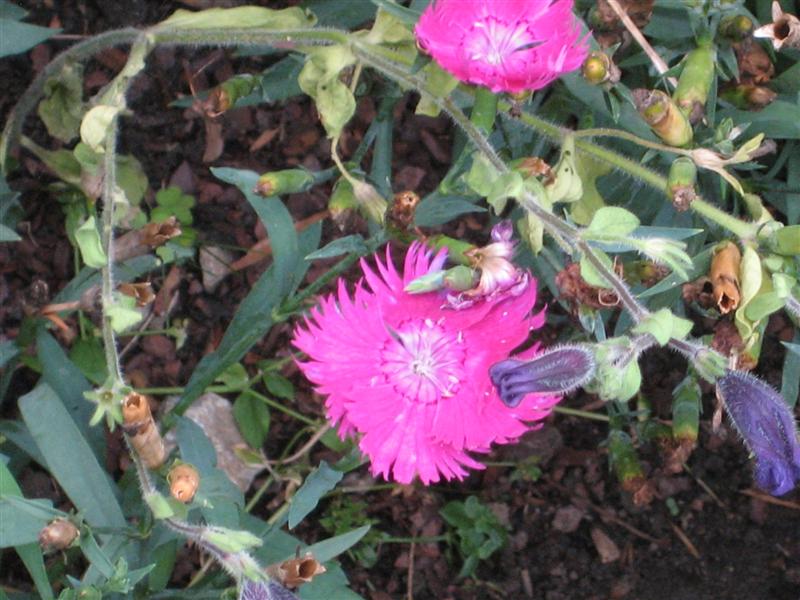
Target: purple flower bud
<point>557,371</point>
<point>503,231</point>
<point>265,590</point>
<point>767,427</point>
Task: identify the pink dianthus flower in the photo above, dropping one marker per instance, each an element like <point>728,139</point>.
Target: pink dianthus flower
<point>410,376</point>
<point>505,45</point>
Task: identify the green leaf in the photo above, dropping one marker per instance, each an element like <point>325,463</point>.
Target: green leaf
<point>88,239</point>
<point>790,383</point>
<point>16,37</point>
<point>69,384</point>
<point>320,80</point>
<point>89,356</point>
<point>277,221</point>
<point>322,480</point>
<point>331,548</point>
<point>20,527</point>
<point>30,554</point>
<point>436,209</point>
<point>195,446</point>
<point>69,458</point>
<point>591,275</point>
<point>8,350</point>
<point>344,245</point>
<point>612,222</point>
<point>780,120</point>
<point>10,10</point>
<point>61,108</point>
<point>8,235</point>
<point>279,386</point>
<point>663,326</point>
<point>253,418</point>
<point>123,313</point>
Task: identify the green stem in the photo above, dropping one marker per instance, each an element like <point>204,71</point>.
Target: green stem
<point>284,409</point>
<point>484,110</point>
<point>584,414</point>
<point>431,539</point>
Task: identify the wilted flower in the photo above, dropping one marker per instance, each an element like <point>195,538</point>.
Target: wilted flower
<point>507,46</point>
<point>767,427</point>
<point>410,375</point>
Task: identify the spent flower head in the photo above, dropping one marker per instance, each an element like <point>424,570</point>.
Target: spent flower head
<point>507,46</point>
<point>767,427</point>
<point>409,375</point>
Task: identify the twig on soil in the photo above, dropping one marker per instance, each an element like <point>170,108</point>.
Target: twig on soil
<point>705,487</point>
<point>686,541</point>
<point>306,447</point>
<point>410,580</point>
<point>770,499</point>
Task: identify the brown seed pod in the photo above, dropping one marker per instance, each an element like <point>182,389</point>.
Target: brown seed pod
<point>296,571</point>
<point>57,535</point>
<point>724,276</point>
<point>183,482</point>
<point>138,424</point>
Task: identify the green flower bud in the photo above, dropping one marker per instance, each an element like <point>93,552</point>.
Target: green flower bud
<point>681,182</point>
<point>460,278</point>
<point>342,201</point>
<point>599,68</point>
<point>624,461</point>
<point>736,27</point>
<point>230,541</point>
<point>695,82</point>
<point>287,181</point>
<point>223,97</point>
<point>456,249</point>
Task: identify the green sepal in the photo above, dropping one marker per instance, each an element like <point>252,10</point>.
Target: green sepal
<point>88,239</point>
<point>663,326</point>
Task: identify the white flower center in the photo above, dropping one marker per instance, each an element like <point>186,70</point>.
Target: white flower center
<point>493,41</point>
<point>423,361</point>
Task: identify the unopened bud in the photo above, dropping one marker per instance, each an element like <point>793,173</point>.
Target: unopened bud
<point>767,427</point>
<point>664,117</point>
<point>57,535</point>
<point>342,202</point>
<point>686,410</point>
<point>457,250</point>
<point>695,82</point>
<point>183,482</point>
<point>557,371</point>
<point>223,97</point>
<point>681,182</point>
<point>736,27</point>
<point>230,540</point>
<point>460,278</point>
<point>599,68</point>
<point>287,181</point>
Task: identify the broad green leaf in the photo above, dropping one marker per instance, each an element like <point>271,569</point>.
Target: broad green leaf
<point>69,384</point>
<point>123,313</point>
<point>331,548</point>
<point>436,209</point>
<point>780,120</point>
<point>8,350</point>
<point>69,458</point>
<point>276,219</point>
<point>61,108</point>
<point>16,37</point>
<point>88,239</point>
<point>344,245</point>
<point>88,355</point>
<point>762,305</point>
<point>8,235</point>
<point>610,222</point>
<point>440,83</point>
<point>663,326</point>
<point>195,446</point>
<point>253,418</point>
<point>322,480</point>
<point>30,554</point>
<point>10,10</point>
<point>279,386</point>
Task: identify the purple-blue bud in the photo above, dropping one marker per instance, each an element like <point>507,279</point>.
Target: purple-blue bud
<point>767,427</point>
<point>557,371</point>
<point>265,590</point>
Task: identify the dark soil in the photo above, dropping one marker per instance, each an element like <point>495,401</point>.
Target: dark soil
<point>574,534</point>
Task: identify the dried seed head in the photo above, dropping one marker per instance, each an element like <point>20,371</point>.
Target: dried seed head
<point>183,482</point>
<point>57,535</point>
<point>296,571</point>
<point>145,438</point>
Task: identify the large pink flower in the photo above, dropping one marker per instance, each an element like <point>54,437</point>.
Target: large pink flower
<point>411,376</point>
<point>505,45</point>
